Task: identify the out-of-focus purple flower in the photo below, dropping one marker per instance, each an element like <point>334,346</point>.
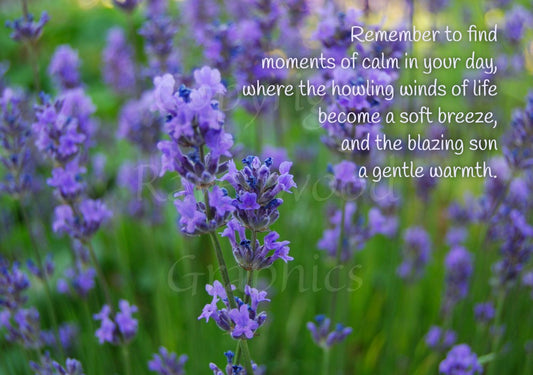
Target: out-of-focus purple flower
<point>64,67</point>
<point>379,223</point>
<point>47,366</point>
<point>416,253</point>
<point>48,266</point>
<point>436,6</point>
<point>517,21</point>
<point>22,326</point>
<point>126,5</point>
<point>439,339</point>
<point>158,32</point>
<point>456,236</point>
<point>119,64</point>
<point>83,224</point>
<point>484,312</point>
<point>26,29</point>
<point>320,332</point>
<point>127,325</point>
<point>78,280</point>
<point>425,185</point>
<point>13,284</point>
<point>460,360</point>
<point>458,264</point>
<point>120,329</point>
<point>167,363</point>
<point>68,333</point>
<point>346,183</point>
<point>15,140</point>
<point>138,124</point>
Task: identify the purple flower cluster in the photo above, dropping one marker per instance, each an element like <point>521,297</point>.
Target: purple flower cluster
<point>26,28</point>
<point>321,334</point>
<point>15,154</point>
<point>167,363</point>
<point>416,253</point>
<point>234,369</point>
<point>120,329</point>
<point>242,321</point>
<point>458,264</point>
<point>484,312</point>
<point>460,361</point>
<point>440,339</point>
<point>119,65</point>
<point>64,67</point>
<point>158,32</point>
<point>47,366</point>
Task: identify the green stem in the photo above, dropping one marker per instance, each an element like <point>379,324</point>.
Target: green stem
<point>223,270</point>
<point>126,358</point>
<point>103,282</point>
<point>325,362</point>
<point>496,342</point>
<point>42,269</point>
<point>338,255</point>
<point>246,356</point>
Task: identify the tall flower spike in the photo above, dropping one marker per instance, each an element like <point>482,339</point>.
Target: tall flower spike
<point>64,67</point>
<point>321,334</point>
<point>235,369</point>
<point>256,187</point>
<point>120,329</point>
<point>26,29</point>
<point>460,361</point>
<point>167,363</point>
<point>416,253</point>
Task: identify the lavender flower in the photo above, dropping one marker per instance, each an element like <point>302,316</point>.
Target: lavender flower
<point>139,125</point>
<point>320,332</point>
<point>484,312</point>
<point>13,284</point>
<point>119,330</point>
<point>126,5</point>
<point>46,272</point>
<point>167,363</point>
<point>22,326</point>
<point>15,154</point>
<point>458,265</point>
<point>235,369</point>
<point>26,29</point>
<point>64,67</point>
<point>416,253</point>
<point>256,187</point>
<point>241,322</point>
<point>346,183</point>
<point>517,21</point>
<point>158,32</point>
<point>119,65</point>
<point>460,361</point>
<point>439,339</point>
<point>255,256</point>
<point>49,367</point>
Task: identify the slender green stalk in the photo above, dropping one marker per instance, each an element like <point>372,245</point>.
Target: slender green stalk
<point>101,277</point>
<point>246,356</point>
<point>40,264</point>
<point>126,358</point>
<point>325,362</point>
<point>497,320</point>
<point>338,255</point>
<point>223,270</point>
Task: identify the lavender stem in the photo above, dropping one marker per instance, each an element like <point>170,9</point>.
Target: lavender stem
<point>103,282</point>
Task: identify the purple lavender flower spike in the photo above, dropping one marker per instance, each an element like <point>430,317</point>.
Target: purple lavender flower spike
<point>241,322</point>
<point>47,366</point>
<point>64,67</point>
<point>416,253</point>
<point>158,32</point>
<point>517,21</point>
<point>23,326</point>
<point>127,325</point>
<point>126,5</point>
<point>13,284</point>
<point>15,153</point>
<point>458,265</point>
<point>321,334</point>
<point>484,312</point>
<point>26,29</point>
<point>460,360</point>
<point>439,339</point>
<point>106,332</point>
<point>235,369</point>
<point>345,182</point>
<point>120,329</point>
<point>167,363</point>
<point>119,66</point>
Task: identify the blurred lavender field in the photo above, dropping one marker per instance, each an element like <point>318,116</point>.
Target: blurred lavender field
<point>155,221</point>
